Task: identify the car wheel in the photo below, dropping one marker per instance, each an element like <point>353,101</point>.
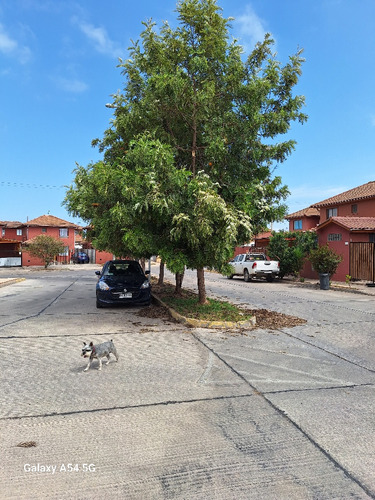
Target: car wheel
<point>246,276</point>
<point>99,305</point>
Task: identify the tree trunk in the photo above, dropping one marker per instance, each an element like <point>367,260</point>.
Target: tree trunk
<point>179,280</point>
<point>201,286</point>
<point>161,273</point>
<point>195,129</point>
<point>143,264</point>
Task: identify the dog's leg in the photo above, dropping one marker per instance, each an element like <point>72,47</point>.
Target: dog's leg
<point>107,363</point>
<point>100,363</point>
<point>116,355</point>
<point>88,365</point>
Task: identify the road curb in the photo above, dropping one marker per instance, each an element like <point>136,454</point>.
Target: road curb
<point>199,323</point>
<point>10,281</point>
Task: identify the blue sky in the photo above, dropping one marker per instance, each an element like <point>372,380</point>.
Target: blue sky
<point>58,69</point>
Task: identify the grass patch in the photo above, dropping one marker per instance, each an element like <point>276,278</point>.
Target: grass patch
<point>187,305</point>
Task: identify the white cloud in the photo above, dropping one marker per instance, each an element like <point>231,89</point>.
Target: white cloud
<point>100,39</point>
<point>250,27</point>
<point>73,86</point>
<point>7,45</point>
<point>10,47</point>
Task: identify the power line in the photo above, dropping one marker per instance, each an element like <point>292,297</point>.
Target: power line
<point>31,186</point>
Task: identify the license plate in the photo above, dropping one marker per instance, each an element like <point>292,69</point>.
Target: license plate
<point>127,295</point>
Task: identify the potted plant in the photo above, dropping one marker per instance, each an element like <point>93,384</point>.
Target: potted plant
<point>325,261</point>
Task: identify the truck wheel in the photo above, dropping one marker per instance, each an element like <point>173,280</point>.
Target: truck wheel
<point>246,276</point>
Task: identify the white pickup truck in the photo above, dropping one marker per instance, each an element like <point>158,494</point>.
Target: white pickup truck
<point>254,265</point>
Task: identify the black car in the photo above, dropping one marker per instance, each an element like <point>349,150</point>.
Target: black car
<point>122,282</point>
<point>80,258</point>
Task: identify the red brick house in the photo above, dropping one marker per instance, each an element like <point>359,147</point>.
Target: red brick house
<point>15,235</point>
<point>49,225</point>
<point>346,222</point>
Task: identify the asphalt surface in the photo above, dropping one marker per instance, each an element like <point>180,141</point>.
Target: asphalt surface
<point>185,413</point>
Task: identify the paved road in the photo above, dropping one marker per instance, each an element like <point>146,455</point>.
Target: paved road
<point>185,413</point>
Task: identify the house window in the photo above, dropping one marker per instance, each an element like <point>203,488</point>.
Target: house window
<point>331,212</point>
<point>297,224</point>
<point>371,238</point>
<point>44,229</point>
<point>3,231</point>
<point>354,209</point>
<point>63,232</point>
<point>335,237</point>
<point>19,232</point>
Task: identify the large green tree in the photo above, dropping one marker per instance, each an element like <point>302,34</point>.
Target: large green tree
<point>221,115</point>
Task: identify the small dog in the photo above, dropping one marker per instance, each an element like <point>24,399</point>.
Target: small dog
<point>98,351</point>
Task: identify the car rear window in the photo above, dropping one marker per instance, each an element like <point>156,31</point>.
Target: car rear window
<point>123,268</point>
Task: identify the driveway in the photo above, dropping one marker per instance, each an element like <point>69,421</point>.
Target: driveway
<point>185,413</point>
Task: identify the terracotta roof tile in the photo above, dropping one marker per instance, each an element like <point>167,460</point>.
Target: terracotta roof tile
<point>305,212</point>
<point>50,220</point>
<point>11,224</point>
<point>358,193</point>
<point>265,235</point>
<point>353,223</point>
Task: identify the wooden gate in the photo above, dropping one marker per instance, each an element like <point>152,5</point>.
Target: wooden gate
<point>362,261</point>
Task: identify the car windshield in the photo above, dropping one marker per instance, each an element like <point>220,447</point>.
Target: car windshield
<point>122,268</point>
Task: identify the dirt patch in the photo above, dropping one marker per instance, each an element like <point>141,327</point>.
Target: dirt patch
<point>273,320</point>
<point>155,311</point>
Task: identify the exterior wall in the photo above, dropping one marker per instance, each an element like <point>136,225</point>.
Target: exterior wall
<point>365,208</point>
<point>54,232</point>
<point>308,223</point>
<point>308,272</point>
<point>11,233</point>
<point>29,260</point>
<point>102,257</point>
<point>340,247</point>
<point>243,249</point>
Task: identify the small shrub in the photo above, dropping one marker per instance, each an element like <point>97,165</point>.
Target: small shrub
<point>325,260</point>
